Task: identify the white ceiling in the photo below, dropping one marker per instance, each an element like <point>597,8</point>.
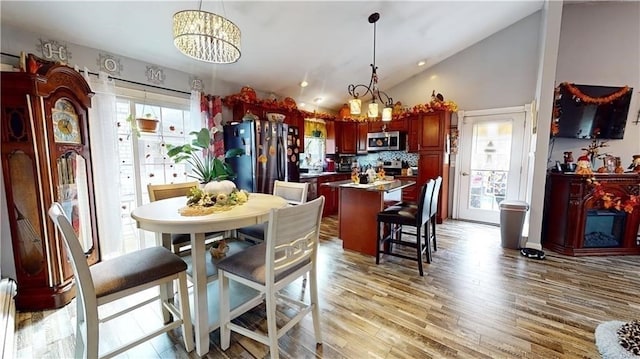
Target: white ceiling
<point>327,43</point>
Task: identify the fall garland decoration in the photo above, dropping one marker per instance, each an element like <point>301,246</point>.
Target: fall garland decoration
<point>248,95</point>
<point>609,201</point>
<point>579,95</point>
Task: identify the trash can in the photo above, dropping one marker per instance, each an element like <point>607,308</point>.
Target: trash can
<point>512,213</point>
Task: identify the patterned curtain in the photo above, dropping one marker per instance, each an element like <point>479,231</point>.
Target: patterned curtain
<point>315,128</point>
<point>211,111</point>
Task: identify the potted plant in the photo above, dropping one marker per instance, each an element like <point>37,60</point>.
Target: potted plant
<point>148,123</point>
<point>210,171</point>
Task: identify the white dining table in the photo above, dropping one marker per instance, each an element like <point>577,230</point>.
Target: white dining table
<point>163,218</point>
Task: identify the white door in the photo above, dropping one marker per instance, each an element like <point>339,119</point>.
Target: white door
<point>490,163</point>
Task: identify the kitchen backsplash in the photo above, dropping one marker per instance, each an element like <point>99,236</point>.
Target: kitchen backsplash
<point>372,158</point>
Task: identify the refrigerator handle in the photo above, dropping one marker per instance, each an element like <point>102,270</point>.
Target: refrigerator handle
<point>281,152</point>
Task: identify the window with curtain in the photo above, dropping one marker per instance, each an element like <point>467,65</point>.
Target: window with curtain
<point>143,158</point>
<point>315,134</point>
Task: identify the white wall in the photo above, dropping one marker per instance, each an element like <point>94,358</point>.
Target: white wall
<point>14,41</point>
<point>600,45</point>
<point>499,71</point>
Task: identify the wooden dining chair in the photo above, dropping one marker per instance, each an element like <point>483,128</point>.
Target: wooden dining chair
<point>180,242</point>
<point>294,192</point>
<point>392,220</point>
<point>121,277</point>
<point>289,252</point>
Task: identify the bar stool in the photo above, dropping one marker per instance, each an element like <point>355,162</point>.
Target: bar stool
<point>392,220</point>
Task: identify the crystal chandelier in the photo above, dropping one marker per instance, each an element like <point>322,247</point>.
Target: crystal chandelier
<point>376,95</point>
<point>206,36</point>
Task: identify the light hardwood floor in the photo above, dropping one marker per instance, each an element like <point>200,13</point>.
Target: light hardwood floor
<point>476,300</point>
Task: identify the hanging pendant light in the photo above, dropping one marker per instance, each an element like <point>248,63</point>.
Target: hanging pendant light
<point>372,88</point>
<point>206,36</point>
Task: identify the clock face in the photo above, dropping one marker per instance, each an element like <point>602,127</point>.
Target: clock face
<point>65,123</point>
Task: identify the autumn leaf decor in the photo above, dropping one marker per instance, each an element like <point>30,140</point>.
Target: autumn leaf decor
<point>608,200</point>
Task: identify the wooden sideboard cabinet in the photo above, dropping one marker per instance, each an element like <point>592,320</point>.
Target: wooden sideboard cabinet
<point>46,157</point>
<point>574,222</point>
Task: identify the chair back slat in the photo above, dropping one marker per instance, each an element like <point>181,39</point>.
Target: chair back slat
<point>292,236</point>
<point>434,197</point>
<point>424,206</point>
<point>164,191</point>
<point>294,192</point>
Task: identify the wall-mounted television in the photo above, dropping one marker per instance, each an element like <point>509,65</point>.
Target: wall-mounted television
<point>586,111</point>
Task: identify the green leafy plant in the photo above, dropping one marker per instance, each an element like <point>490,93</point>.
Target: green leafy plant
<point>206,167</point>
<point>133,124</point>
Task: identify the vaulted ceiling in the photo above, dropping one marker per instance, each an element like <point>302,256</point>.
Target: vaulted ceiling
<point>329,44</point>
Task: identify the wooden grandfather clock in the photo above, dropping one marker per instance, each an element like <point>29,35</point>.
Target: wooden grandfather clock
<point>46,157</point>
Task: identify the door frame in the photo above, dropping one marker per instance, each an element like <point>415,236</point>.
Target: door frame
<point>526,157</point>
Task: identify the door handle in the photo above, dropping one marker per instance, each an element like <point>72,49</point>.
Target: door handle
<point>464,174</point>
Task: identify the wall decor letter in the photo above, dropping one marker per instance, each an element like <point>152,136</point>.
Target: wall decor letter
<point>54,51</point>
<point>155,75</point>
<point>196,84</point>
<point>109,64</point>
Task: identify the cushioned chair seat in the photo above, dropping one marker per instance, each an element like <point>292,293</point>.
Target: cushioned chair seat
<point>399,215</point>
<point>255,231</point>
<point>250,264</point>
<point>180,238</point>
<point>130,270</point>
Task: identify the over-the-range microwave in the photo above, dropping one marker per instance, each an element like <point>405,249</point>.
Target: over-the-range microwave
<point>385,141</point>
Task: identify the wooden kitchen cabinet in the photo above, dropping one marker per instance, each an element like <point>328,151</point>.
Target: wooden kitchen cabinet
<point>429,131</point>
<point>241,108</point>
<point>394,125</point>
<point>363,131</point>
<point>428,136</point>
<point>331,193</point>
<point>346,137</point>
<point>432,164</point>
<point>46,157</point>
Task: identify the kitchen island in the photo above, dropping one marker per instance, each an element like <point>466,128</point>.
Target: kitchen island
<point>358,209</point>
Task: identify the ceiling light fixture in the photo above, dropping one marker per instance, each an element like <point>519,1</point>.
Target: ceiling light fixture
<point>355,103</point>
<point>206,36</point>
<point>304,84</point>
<point>421,63</point>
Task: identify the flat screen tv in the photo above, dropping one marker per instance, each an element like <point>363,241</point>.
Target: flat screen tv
<point>585,111</point>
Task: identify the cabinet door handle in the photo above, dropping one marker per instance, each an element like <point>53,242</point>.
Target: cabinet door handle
<point>464,173</point>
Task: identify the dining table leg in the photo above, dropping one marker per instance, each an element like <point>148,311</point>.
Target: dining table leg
<point>200,303</point>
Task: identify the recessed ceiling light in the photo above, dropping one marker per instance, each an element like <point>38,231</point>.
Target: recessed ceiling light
<point>421,63</point>
<point>304,84</point>
<point>318,99</point>
<point>302,104</point>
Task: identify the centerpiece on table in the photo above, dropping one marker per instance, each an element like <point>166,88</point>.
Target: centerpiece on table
<point>216,192</point>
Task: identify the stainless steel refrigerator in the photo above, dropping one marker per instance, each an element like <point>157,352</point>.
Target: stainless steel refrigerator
<point>270,153</point>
